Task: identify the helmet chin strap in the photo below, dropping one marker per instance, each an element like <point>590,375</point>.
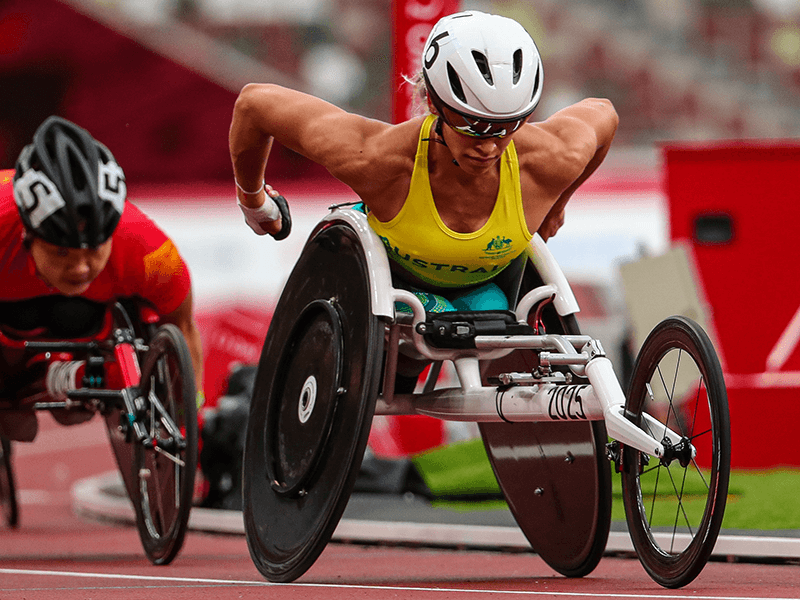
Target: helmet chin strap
<point>437,129</point>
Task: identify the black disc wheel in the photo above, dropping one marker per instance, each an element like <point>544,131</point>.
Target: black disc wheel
<point>312,406</point>
<point>8,488</point>
<point>554,475</point>
<point>165,463</point>
<point>674,504</point>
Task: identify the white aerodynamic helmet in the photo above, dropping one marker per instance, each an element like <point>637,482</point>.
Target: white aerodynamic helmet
<point>483,67</point>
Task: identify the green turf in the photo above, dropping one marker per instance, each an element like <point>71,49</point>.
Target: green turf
<point>764,500</point>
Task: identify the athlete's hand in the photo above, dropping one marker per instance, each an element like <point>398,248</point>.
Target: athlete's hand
<point>267,213</point>
<point>264,218</point>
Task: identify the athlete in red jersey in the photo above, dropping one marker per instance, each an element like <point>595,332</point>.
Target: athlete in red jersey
<point>143,262</point>
<point>70,244</point>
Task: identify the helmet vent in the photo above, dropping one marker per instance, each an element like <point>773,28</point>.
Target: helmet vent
<point>76,170</point>
<point>483,66</point>
<point>536,82</point>
<point>455,83</point>
<point>518,66</point>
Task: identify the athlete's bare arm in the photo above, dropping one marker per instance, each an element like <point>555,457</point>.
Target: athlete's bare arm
<point>579,138</point>
<point>356,150</point>
<point>183,318</point>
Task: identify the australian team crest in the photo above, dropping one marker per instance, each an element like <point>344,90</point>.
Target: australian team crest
<point>498,247</point>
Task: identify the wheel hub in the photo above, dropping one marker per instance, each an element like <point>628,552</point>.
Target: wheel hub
<point>308,398</point>
<point>682,452</point>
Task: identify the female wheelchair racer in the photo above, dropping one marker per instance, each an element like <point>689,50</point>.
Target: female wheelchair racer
<point>549,407</point>
<point>459,193</point>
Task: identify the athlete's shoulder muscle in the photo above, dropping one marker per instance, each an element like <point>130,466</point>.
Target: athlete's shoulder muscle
<point>149,261</point>
<point>381,157</point>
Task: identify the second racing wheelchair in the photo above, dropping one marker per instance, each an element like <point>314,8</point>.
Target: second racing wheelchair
<point>551,412</point>
<point>137,375</point>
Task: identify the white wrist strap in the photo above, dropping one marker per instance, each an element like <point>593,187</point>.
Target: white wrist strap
<point>263,185</point>
<point>255,216</point>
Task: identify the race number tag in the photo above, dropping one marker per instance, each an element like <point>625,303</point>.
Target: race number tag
<point>37,196</point>
<point>111,184</point>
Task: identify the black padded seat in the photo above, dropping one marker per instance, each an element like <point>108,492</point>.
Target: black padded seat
<point>459,329</point>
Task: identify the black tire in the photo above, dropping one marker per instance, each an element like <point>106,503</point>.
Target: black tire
<point>165,488</point>
<point>674,506</point>
<point>554,476</point>
<point>302,457</point>
<point>8,488</point>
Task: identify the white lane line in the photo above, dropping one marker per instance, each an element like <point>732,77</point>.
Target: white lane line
<point>90,497</point>
<point>232,582</point>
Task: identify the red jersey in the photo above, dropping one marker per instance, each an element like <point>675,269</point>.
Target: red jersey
<point>144,262</point>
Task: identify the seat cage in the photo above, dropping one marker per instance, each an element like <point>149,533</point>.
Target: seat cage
<point>546,394</point>
<point>383,293</point>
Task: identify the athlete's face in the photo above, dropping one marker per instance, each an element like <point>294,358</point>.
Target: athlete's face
<point>70,270</point>
<point>473,153</point>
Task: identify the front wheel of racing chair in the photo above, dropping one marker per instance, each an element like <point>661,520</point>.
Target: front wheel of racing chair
<point>8,488</point>
<point>674,505</point>
<point>554,475</point>
<point>164,467</point>
<point>313,402</point>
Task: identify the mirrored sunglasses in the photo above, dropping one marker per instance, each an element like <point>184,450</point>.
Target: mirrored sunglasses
<point>480,128</point>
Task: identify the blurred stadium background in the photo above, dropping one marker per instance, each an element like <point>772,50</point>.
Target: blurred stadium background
<point>156,81</point>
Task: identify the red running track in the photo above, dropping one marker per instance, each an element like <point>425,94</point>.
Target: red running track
<point>58,555</point>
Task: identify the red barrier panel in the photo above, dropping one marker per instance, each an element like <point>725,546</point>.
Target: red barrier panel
<point>233,335</point>
<point>412,21</point>
<point>738,206</point>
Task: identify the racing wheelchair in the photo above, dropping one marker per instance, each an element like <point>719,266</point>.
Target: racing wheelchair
<point>550,410</point>
<point>138,376</point>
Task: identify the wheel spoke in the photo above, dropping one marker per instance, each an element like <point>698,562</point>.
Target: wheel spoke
<point>655,493</point>
<point>691,502</point>
<point>679,498</point>
<point>166,491</point>
<point>701,434</point>
<point>696,404</point>
<point>682,510</point>
<point>158,513</point>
